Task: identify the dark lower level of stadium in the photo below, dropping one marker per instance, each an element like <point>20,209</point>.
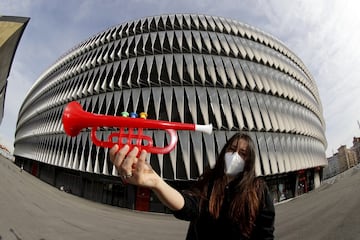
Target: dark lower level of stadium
<point>110,189</point>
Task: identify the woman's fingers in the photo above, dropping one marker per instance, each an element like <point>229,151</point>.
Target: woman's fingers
<point>129,161</point>
<point>143,155</point>
<point>141,164</point>
<point>112,152</point>
<point>120,156</point>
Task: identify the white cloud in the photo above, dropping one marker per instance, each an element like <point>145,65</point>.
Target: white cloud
<point>324,35</point>
<point>13,8</point>
<point>18,86</point>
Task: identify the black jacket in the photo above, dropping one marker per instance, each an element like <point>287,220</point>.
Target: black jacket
<point>204,226</point>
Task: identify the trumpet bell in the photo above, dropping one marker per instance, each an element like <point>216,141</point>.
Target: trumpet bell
<point>72,116</point>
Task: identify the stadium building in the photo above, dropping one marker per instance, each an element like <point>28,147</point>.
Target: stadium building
<point>181,68</point>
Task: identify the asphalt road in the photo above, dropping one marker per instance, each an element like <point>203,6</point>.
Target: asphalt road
<point>33,210</point>
<point>330,212</point>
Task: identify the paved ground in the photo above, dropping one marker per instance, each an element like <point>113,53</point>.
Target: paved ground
<point>33,210</point>
<point>330,212</point>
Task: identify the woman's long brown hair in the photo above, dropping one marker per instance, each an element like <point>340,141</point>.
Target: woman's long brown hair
<point>245,206</point>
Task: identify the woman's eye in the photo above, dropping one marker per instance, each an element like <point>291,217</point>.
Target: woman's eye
<point>242,154</point>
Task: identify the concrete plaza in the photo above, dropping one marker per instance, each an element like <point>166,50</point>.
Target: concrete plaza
<point>31,209</point>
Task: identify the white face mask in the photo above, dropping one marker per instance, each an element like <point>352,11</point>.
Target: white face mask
<point>234,163</point>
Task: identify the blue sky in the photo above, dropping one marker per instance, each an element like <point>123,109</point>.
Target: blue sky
<point>323,33</point>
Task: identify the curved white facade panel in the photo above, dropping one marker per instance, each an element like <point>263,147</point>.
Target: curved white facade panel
<point>184,68</point>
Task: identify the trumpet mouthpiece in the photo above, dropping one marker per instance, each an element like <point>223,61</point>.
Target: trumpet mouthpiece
<point>204,128</point>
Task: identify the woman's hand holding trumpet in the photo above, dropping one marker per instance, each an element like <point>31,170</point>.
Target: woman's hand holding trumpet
<point>137,171</point>
<point>132,169</point>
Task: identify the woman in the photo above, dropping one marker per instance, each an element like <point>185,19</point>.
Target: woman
<point>227,202</point>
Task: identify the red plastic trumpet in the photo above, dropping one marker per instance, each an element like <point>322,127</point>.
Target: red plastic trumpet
<point>74,119</point>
